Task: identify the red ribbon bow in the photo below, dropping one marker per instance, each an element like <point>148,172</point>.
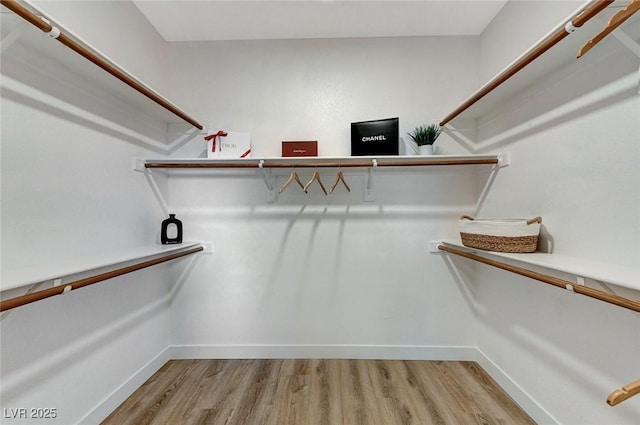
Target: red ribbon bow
<point>213,136</point>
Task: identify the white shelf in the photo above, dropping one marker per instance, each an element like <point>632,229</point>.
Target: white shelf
<point>626,277</point>
<point>36,51</point>
<point>558,57</point>
<point>43,272</point>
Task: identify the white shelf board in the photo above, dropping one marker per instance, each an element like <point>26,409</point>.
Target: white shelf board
<point>43,272</point>
<point>623,276</point>
<point>557,57</point>
<point>41,53</point>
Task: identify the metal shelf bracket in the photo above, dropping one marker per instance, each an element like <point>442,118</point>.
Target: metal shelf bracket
<point>268,180</point>
<point>369,192</point>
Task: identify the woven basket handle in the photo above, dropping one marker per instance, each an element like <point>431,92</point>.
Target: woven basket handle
<point>535,220</point>
<point>531,221</point>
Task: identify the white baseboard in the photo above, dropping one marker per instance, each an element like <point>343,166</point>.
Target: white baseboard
<point>116,398</point>
<point>319,351</point>
<point>519,395</point>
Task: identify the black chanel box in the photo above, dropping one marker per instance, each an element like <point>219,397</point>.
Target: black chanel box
<point>378,137</point>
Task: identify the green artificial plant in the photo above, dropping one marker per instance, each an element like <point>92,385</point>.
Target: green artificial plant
<point>425,134</point>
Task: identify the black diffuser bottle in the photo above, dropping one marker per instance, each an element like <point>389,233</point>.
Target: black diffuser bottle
<point>171,231</point>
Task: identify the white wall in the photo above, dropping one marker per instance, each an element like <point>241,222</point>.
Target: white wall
<point>308,275</point>
<point>120,32</point>
<point>325,271</point>
<point>497,53</point>
<point>347,277</point>
<point>313,89</point>
<point>68,191</point>
<point>579,172</point>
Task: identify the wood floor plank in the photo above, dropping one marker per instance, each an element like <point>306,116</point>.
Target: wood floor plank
<point>372,405</point>
<point>426,410</point>
<point>283,387</point>
<point>180,408</point>
<point>318,406</point>
<point>489,390</point>
<point>150,409</point>
<point>319,392</point>
<point>453,389</point>
<point>215,387</point>
<point>394,403</point>
<point>353,412</point>
<point>255,394</point>
<point>220,400</point>
<point>322,409</point>
<point>151,389</point>
<point>444,407</point>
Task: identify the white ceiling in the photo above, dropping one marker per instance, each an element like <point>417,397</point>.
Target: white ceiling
<point>187,20</point>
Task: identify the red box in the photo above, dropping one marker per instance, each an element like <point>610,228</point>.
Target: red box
<point>300,148</point>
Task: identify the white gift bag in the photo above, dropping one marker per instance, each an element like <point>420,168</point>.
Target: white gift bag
<point>231,144</point>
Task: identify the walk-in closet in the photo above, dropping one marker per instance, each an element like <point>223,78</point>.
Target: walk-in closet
<point>197,229</point>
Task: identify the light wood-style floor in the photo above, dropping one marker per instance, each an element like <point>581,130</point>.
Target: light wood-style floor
<point>322,392</point>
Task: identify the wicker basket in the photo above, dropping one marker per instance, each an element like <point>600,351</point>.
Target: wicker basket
<point>500,234</point>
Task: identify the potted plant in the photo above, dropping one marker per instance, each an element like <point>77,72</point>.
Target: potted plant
<point>425,136</point>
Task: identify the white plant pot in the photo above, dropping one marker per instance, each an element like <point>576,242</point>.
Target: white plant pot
<point>425,150</point>
<point>408,147</point>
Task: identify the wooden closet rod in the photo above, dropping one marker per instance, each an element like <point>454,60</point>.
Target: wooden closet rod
<point>350,164</point>
<point>551,41</point>
<point>98,60</point>
<point>57,290</point>
<point>560,283</point>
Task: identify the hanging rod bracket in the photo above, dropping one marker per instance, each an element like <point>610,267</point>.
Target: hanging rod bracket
<point>570,28</point>
<point>504,159</point>
<point>54,32</point>
<point>208,248</point>
<point>433,247</point>
<point>138,165</point>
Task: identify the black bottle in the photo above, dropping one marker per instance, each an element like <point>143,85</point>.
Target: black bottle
<point>174,226</point>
